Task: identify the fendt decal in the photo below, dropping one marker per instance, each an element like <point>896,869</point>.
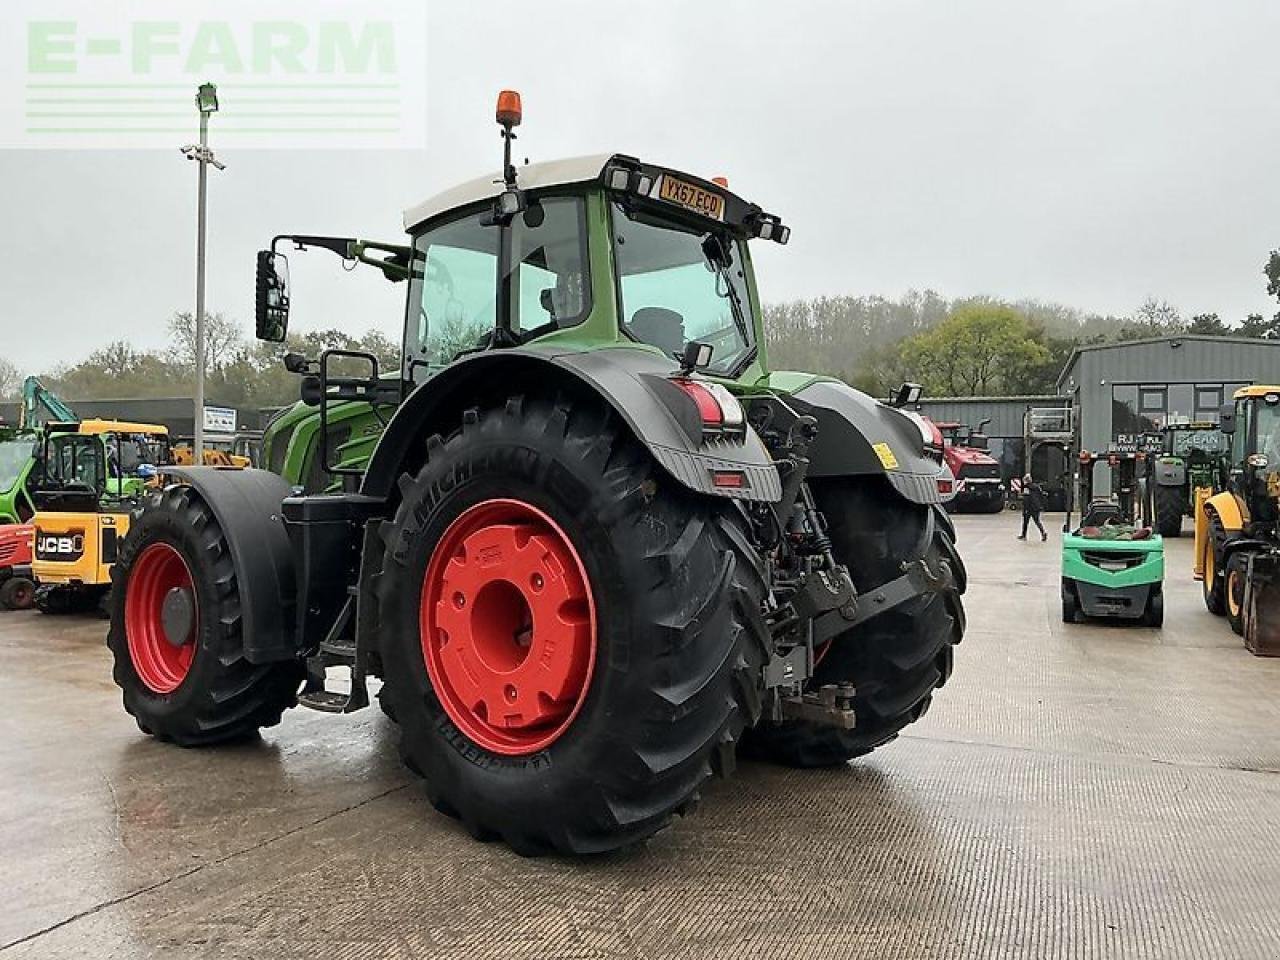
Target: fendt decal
<point>62,547</point>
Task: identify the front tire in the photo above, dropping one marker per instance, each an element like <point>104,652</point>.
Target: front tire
<point>176,631</point>
<point>895,660</point>
<point>1212,584</point>
<point>17,593</point>
<point>653,684</point>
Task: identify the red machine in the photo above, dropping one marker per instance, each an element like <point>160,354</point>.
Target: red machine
<point>977,473</point>
<point>17,588</point>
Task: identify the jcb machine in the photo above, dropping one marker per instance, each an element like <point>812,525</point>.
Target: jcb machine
<point>1237,545</point>
<point>597,546</point>
<point>92,476</point>
<point>1113,564</point>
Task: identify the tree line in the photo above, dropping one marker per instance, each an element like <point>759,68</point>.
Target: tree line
<point>973,346</point>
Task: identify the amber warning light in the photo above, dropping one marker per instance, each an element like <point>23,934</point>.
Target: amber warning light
<point>509,108</point>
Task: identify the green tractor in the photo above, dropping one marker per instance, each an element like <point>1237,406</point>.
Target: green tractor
<point>591,544</point>
<point>1191,460</point>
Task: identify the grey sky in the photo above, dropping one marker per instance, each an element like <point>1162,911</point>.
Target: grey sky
<point>1093,152</point>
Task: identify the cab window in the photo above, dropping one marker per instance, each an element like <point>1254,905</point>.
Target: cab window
<point>453,291</point>
<point>550,286</point>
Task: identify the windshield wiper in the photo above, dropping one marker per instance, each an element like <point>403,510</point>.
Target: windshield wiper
<point>717,254</point>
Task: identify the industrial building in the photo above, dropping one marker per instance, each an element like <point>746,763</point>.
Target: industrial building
<point>1134,386</point>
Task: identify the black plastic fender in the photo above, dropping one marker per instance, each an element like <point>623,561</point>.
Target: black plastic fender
<point>858,436</point>
<point>247,505</point>
<point>628,379</point>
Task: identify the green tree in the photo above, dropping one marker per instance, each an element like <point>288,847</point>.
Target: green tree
<point>1209,325</point>
<point>1256,325</point>
<point>983,348</point>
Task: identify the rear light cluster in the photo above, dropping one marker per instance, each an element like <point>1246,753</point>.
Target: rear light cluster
<point>946,485</point>
<point>719,409</point>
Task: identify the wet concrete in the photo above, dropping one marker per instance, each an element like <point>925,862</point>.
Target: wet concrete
<point>1076,791</point>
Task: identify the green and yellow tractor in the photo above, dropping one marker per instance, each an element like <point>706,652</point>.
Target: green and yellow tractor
<point>589,541</point>
<point>1190,461</point>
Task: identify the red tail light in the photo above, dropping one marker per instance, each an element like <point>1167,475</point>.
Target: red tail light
<point>708,407</point>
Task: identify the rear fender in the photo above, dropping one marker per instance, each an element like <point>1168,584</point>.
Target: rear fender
<point>859,436</point>
<point>246,502</point>
<point>630,381</point>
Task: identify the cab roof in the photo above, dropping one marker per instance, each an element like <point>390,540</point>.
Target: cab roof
<point>1257,390</point>
<point>97,427</point>
<point>534,176</point>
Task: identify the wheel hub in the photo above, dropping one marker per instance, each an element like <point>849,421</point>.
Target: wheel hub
<point>161,619</point>
<point>508,626</point>
<point>177,615</point>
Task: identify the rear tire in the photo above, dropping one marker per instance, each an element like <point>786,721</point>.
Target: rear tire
<point>673,669</point>
<point>895,660</point>
<point>1233,591</point>
<point>17,593</point>
<point>1170,504</point>
<point>208,693</point>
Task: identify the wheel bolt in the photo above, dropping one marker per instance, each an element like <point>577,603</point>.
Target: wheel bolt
<point>459,601</point>
<point>510,693</point>
<point>537,581</point>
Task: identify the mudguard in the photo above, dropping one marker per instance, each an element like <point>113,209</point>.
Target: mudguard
<point>1227,508</point>
<point>631,381</point>
<point>247,505</point>
<point>858,436</point>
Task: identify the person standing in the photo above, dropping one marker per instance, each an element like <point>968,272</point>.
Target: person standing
<point>1032,507</point>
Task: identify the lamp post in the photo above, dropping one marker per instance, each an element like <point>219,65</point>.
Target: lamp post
<point>207,104</point>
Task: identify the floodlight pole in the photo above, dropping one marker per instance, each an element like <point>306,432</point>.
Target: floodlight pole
<point>206,103</point>
<point>198,451</point>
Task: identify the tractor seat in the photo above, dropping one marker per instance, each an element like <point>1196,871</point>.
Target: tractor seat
<point>659,327</point>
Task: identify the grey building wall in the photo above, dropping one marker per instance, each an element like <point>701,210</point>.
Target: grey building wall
<point>176,413</point>
<point>1005,412</point>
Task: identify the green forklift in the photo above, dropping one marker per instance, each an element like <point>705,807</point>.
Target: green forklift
<point>1113,562</point>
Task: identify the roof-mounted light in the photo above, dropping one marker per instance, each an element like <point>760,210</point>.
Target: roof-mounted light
<point>509,112</point>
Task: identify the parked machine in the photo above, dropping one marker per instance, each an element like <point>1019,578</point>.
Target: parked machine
<point>17,588</point>
<point>92,476</point>
<point>1190,462</point>
<point>978,486</point>
<point>20,446</point>
<point>597,545</point>
<point>1049,436</point>
<point>1237,546</point>
<point>1113,563</point>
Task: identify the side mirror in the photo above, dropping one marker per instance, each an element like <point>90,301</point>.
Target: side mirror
<point>1227,419</point>
<point>271,304</point>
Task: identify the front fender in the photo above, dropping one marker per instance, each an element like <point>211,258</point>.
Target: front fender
<point>859,436</point>
<point>247,505</point>
<point>624,378</point>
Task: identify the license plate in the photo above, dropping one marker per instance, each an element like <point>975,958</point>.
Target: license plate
<point>691,198</point>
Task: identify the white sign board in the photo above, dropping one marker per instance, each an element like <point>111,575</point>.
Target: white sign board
<point>219,420</point>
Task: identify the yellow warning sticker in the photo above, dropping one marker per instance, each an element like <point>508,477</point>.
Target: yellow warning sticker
<point>885,453</point>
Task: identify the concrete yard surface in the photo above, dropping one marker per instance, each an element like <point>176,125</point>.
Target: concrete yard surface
<point>1075,791</point>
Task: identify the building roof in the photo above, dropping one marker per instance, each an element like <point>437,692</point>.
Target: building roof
<point>1181,337</point>
<point>553,173</point>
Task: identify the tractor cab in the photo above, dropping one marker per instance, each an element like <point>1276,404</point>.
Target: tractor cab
<point>91,476</point>
<point>1113,563</point>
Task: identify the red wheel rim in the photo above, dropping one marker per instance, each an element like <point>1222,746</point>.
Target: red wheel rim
<point>161,663</point>
<point>508,627</point>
